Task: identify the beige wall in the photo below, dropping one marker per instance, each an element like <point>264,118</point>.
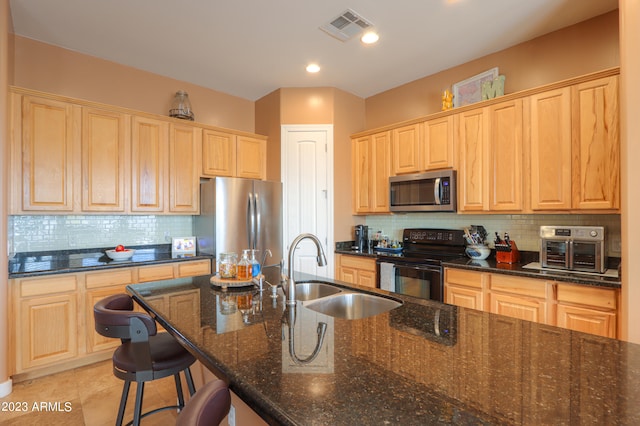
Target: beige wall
<point>316,106</point>
<point>630,173</point>
<point>5,67</point>
<point>52,69</point>
<point>580,49</point>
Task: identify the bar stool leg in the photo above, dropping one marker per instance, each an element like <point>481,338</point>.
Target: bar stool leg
<point>192,388</point>
<point>137,414</point>
<point>123,402</point>
<point>179,390</point>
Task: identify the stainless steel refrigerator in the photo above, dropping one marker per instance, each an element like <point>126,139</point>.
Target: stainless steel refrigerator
<point>238,214</point>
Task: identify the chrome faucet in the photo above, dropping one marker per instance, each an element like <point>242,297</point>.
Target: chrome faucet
<point>321,258</point>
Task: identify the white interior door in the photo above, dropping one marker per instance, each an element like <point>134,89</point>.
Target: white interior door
<point>307,177</point>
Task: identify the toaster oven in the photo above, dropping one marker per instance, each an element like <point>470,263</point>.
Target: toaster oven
<point>574,248</point>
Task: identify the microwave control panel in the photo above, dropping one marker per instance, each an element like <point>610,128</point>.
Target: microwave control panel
<point>580,233</point>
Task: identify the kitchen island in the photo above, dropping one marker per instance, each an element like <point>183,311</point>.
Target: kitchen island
<point>421,363</point>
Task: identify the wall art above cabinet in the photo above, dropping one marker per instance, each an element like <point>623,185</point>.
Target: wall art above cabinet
<point>70,156</point>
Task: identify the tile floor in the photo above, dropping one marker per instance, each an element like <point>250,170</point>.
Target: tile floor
<point>87,395</point>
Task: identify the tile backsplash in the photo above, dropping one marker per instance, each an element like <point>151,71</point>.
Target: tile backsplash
<point>523,229</point>
<point>55,232</point>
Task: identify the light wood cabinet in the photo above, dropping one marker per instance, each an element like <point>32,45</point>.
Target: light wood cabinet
<point>54,328</point>
<point>184,177</point>
<point>551,150</point>
<point>506,185</point>
<point>471,140</point>
<point>438,144</point>
<point>46,330</point>
<point>356,270</point>
<point>371,164</point>
<point>149,164</point>
<point>572,306</point>
<point>596,144</point>
<point>251,158</point>
<point>588,309</point>
<point>105,160</point>
<point>226,154</point>
<point>406,149</point>
<point>465,288</point>
<point>46,144</point>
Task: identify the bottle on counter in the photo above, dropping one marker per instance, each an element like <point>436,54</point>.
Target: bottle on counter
<point>244,266</point>
<point>227,265</point>
<point>255,265</point>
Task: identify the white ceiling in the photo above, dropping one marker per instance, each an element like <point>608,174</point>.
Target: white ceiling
<point>248,48</point>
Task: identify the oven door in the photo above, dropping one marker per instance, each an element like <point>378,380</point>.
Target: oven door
<point>416,280</point>
<point>555,254</point>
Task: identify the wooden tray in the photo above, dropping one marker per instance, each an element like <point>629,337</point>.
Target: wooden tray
<point>217,280</point>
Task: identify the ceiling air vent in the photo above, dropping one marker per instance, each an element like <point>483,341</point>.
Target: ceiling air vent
<point>346,25</point>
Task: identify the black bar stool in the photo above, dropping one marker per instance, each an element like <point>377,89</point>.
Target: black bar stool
<point>144,354</point>
<point>208,407</point>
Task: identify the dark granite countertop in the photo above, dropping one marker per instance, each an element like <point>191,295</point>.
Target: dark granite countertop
<point>491,265</point>
<point>422,363</point>
<point>83,260</point>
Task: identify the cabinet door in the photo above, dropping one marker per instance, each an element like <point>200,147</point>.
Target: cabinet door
<point>367,278</point>
<point>465,297</point>
<point>184,178</point>
<point>50,143</point>
<point>380,171</point>
<point>551,150</point>
<point>596,144</point>
<point>518,307</point>
<point>148,164</point>
<point>406,149</point>
<point>592,321</point>
<point>105,141</point>
<point>471,140</point>
<point>218,153</point>
<point>251,160</point>
<point>506,159</point>
<point>437,144</point>
<point>361,168</point>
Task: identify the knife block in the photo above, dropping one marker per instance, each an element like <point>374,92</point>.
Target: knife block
<point>507,253</point>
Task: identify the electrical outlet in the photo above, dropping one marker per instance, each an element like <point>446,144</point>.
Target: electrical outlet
<point>231,417</point>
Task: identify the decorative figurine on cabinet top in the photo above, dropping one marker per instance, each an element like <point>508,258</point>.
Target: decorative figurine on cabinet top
<point>447,100</point>
<point>493,88</point>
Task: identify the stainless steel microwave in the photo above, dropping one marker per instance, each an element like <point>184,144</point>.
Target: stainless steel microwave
<point>423,192</point>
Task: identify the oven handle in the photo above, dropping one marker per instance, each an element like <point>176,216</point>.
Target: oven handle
<point>569,260</point>
<point>417,267</point>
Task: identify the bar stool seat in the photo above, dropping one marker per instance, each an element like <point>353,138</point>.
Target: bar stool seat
<point>144,354</point>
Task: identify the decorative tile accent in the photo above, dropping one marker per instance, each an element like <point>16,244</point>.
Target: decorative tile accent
<point>41,233</point>
<point>522,228</point>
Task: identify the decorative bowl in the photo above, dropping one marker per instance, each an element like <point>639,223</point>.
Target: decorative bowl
<point>477,251</point>
<point>120,255</point>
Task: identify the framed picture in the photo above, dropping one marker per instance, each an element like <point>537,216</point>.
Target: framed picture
<point>183,246</point>
<point>470,90</point>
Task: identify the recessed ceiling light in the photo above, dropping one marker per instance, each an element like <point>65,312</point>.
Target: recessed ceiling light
<point>313,68</point>
<point>369,37</point>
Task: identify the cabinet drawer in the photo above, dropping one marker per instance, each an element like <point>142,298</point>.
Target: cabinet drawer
<point>51,285</point>
<point>585,295</point>
<point>154,273</point>
<point>521,286</point>
<point>465,278</point>
<point>107,279</point>
<point>188,269</point>
<point>358,262</point>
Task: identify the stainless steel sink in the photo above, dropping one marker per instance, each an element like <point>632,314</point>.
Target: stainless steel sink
<point>352,305</point>
<point>314,290</point>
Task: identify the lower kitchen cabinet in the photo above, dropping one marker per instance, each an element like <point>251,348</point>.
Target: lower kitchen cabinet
<point>54,328</point>
<point>573,306</point>
<point>356,270</point>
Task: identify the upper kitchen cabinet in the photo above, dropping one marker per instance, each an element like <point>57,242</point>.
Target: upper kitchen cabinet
<point>184,177</point>
<point>472,140</point>
<point>596,144</point>
<point>105,159</point>
<point>227,154</point>
<point>406,149</point>
<point>551,150</point>
<point>149,164</point>
<point>575,147</point>
<point>45,154</point>
<point>437,143</point>
<point>506,133</point>
<point>251,157</point>
<point>371,167</point>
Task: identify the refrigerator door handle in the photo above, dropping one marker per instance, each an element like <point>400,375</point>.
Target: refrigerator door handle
<point>250,220</point>
<point>256,221</point>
